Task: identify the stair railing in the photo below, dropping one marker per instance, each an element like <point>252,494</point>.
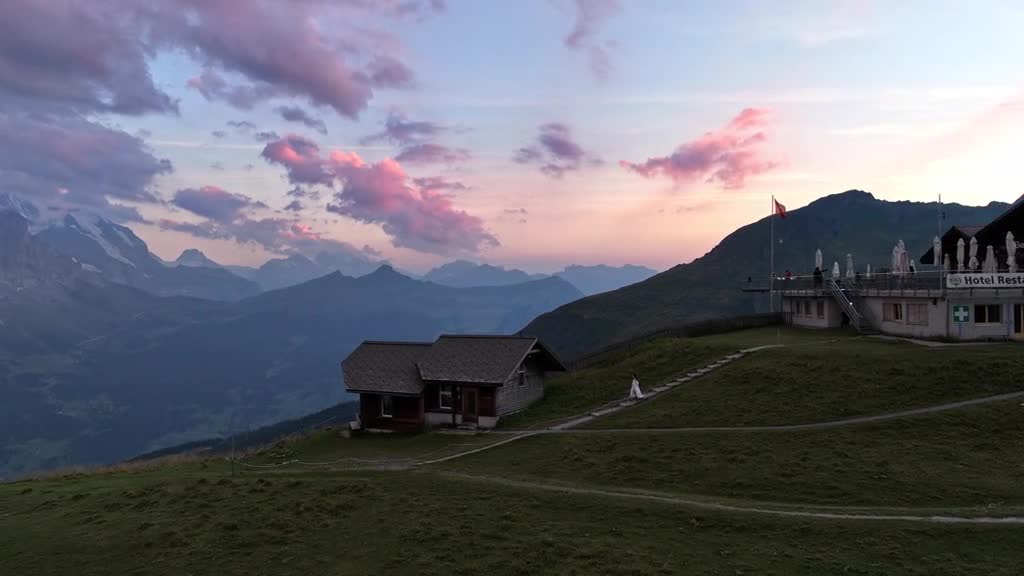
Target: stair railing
<point>839,295</point>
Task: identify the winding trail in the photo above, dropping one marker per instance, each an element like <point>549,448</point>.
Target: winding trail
<point>667,498</point>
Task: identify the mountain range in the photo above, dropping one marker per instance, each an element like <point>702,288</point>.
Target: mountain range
<point>588,279</point>
<point>95,371</point>
<point>853,222</point>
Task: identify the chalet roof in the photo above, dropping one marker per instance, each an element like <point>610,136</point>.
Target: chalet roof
<point>403,367</point>
<point>387,367</point>
<point>481,359</point>
<point>949,239</point>
<point>992,233</point>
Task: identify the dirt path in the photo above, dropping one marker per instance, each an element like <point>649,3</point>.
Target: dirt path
<point>666,498</point>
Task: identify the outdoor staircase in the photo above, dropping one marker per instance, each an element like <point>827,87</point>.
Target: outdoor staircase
<point>853,306</point>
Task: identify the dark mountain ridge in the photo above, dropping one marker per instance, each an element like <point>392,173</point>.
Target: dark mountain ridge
<point>852,222</point>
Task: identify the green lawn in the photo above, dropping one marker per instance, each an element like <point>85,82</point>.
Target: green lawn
<point>967,457</point>
<point>654,362</point>
<point>190,520</point>
<point>818,382</point>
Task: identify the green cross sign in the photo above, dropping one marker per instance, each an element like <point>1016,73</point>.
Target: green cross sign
<point>961,312</point>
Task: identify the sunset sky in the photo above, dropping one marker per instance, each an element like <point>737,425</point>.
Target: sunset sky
<point>526,133</point>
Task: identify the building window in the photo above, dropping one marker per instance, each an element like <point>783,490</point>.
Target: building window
<point>892,311</point>
<point>807,307</point>
<point>387,406</point>
<point>917,314</point>
<point>522,375</point>
<point>988,314</point>
<point>820,304</point>
<point>444,397</point>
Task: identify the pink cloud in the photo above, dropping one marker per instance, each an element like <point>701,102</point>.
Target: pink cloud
<point>97,55</point>
<point>214,203</point>
<point>420,217</point>
<point>728,156</point>
<point>556,151</point>
<point>77,162</point>
<point>430,153</point>
<point>590,16</point>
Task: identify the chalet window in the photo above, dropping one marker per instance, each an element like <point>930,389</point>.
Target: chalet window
<point>387,406</point>
<point>917,314</point>
<point>988,314</point>
<point>522,375</point>
<point>892,312</point>
<point>444,397</point>
<point>820,304</point>
<point>807,307</point>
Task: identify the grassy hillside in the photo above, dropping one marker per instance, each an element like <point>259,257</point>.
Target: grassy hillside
<point>590,501</point>
<point>839,377</point>
<point>852,222</point>
<point>190,520</point>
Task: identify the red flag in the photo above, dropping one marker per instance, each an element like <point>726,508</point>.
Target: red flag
<point>780,210</point>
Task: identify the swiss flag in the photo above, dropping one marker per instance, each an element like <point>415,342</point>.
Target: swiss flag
<point>780,210</point>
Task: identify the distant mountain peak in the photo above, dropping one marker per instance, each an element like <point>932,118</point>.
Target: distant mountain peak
<point>385,271</point>
<point>195,257</point>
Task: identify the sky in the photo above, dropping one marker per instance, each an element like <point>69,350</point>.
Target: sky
<point>524,133</point>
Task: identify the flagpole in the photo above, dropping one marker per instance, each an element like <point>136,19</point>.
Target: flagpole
<point>771,266</point>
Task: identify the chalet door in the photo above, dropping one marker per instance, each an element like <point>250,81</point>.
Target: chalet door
<point>1018,321</point>
<point>470,407</point>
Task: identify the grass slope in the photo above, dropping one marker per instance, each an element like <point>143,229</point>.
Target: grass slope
<point>194,520</point>
<point>970,457</point>
<point>809,382</point>
<point>654,362</point>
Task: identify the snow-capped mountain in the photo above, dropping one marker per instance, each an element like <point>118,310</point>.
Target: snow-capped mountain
<point>117,255</point>
<point>11,203</point>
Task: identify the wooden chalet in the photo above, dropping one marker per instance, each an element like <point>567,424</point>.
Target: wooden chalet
<point>453,381</point>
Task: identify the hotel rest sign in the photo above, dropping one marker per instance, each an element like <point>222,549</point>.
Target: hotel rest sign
<point>986,280</point>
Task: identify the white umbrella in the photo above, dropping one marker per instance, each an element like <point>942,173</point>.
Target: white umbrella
<point>990,260</point>
<point>867,274</point>
<point>1011,252</point>
<point>973,263</point>
<point>936,252</point>
<point>945,262</point>
<point>850,274</point>
<point>894,264</point>
<point>911,266</point>
<point>817,259</point>
<point>960,255</point>
<point>835,271</point>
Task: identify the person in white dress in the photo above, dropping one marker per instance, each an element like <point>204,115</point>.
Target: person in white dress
<point>634,390</point>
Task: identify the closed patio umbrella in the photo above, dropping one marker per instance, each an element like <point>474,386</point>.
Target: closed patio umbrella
<point>835,271</point>
<point>817,259</point>
<point>1011,252</point>
<point>973,262</point>
<point>990,260</point>
<point>867,273</point>
<point>945,262</point>
<point>850,274</point>
<point>936,252</point>
<point>960,255</point>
